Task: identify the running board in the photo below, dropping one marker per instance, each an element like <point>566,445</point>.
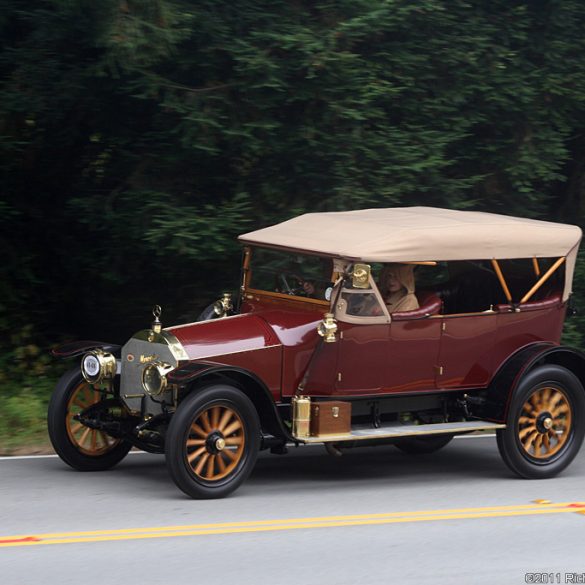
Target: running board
<point>359,433</point>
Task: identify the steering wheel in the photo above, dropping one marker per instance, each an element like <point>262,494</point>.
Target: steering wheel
<point>298,289</point>
<point>288,288</point>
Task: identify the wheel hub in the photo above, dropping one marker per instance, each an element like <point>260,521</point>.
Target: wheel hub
<point>544,422</point>
<point>215,442</point>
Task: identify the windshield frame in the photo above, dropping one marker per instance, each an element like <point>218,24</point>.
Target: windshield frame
<point>247,274</point>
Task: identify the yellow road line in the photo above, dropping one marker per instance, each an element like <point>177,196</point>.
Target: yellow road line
<point>299,520</point>
<point>290,524</point>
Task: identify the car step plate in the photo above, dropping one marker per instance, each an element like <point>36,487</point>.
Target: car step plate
<point>397,430</point>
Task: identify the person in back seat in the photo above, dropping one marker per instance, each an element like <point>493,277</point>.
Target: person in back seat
<point>397,287</point>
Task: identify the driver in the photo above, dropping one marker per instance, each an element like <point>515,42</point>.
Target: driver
<point>397,287</point>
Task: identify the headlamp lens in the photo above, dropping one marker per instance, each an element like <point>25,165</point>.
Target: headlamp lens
<point>154,381</point>
<point>98,365</point>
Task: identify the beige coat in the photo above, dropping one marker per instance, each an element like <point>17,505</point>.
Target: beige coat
<point>404,299</point>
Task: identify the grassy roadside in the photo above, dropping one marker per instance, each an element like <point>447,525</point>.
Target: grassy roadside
<point>28,375</point>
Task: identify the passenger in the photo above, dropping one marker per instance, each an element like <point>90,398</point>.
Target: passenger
<point>397,287</point>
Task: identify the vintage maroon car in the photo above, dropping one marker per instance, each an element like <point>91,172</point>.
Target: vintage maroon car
<point>317,350</point>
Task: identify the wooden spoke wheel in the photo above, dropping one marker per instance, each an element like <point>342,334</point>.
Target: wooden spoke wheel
<point>545,422</point>
<point>212,442</point>
<point>80,447</point>
<point>215,443</point>
<point>543,434</point>
<point>90,442</point>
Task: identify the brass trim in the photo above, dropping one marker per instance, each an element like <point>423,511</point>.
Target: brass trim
<point>265,293</point>
<point>328,328</point>
<point>487,313</point>
<point>107,366</point>
<point>361,275</point>
<point>223,306</point>
<point>162,371</point>
<point>502,280</point>
<point>301,417</point>
<point>156,313</point>
<point>164,338</point>
<point>542,279</point>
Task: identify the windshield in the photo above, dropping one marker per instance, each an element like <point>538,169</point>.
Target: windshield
<point>290,273</point>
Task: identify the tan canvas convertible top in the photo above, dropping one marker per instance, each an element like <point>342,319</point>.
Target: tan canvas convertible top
<point>418,234</point>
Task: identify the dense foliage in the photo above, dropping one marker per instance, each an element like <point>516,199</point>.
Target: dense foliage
<point>139,137</point>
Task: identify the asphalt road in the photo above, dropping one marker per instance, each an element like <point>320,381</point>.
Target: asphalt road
<point>457,516</point>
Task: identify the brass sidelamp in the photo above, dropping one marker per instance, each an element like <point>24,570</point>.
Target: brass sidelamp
<point>328,328</point>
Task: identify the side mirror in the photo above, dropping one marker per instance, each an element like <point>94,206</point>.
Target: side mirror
<point>361,275</point>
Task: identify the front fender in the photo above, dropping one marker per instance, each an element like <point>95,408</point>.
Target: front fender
<point>200,374</point>
<point>75,348</point>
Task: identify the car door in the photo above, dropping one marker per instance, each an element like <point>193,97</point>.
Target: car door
<point>363,336</point>
<point>466,354</point>
<point>413,353</point>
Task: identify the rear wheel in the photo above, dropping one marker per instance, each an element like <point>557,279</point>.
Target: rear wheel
<point>422,445</point>
<point>213,442</point>
<point>79,446</point>
<point>545,427</point>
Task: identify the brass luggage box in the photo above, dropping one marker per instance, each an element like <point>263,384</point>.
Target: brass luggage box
<point>330,418</point>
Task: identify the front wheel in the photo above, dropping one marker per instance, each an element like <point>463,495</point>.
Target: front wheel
<point>545,425</point>
<point>212,442</point>
<point>80,447</point>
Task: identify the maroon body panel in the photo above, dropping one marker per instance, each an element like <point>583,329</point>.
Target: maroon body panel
<point>208,339</point>
<point>295,324</point>
<point>362,359</point>
<point>412,355</point>
<point>263,363</point>
<point>516,330</point>
<point>467,350</point>
<point>275,339</point>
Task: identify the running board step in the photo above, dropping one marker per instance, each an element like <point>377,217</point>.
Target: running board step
<point>394,430</point>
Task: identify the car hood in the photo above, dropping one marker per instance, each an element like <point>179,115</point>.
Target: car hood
<point>246,332</point>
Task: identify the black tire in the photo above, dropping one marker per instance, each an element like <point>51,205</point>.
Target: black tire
<point>194,459</point>
<point>423,445</point>
<point>103,451</point>
<point>566,397</point>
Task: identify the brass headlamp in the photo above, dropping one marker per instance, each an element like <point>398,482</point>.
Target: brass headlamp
<point>97,366</point>
<point>154,378</point>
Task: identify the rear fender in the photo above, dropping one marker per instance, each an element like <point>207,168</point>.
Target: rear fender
<point>504,383</point>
